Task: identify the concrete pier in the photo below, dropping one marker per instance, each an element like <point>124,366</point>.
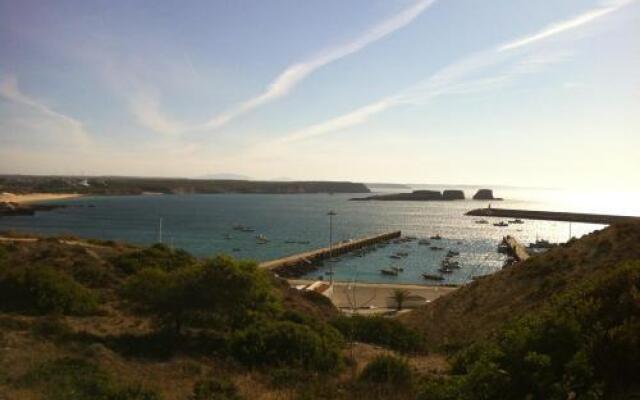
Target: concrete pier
<point>309,257</point>
<point>518,250</point>
<point>552,216</point>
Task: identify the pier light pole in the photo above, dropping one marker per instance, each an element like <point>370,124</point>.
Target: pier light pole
<point>331,214</point>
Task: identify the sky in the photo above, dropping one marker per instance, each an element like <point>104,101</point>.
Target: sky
<point>507,92</point>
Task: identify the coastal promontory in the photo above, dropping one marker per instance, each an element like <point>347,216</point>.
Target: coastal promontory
<point>417,195</point>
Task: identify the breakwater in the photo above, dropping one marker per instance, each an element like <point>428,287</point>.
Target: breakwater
<point>551,216</point>
<point>302,263</point>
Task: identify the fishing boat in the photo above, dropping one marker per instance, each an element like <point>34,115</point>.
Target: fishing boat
<point>395,257</point>
<point>516,221</point>
<point>290,241</point>
<point>432,277</point>
<point>390,272</point>
<point>436,248</point>
<point>261,239</point>
<point>303,242</point>
<point>397,269</point>
<point>424,242</point>
<point>541,244</point>
<point>335,259</point>
<point>247,229</point>
<point>445,270</point>
<point>501,224</point>
<point>452,253</point>
<point>238,227</point>
<point>402,253</point>
<point>447,263</point>
<point>436,237</point>
<point>481,221</point>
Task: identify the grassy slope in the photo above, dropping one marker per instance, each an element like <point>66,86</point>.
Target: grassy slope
<point>480,308</point>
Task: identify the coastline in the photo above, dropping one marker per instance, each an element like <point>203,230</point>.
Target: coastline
<point>35,197</point>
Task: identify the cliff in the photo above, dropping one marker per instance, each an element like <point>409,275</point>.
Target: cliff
<point>453,195</point>
<point>134,185</point>
<point>485,194</point>
<point>417,195</point>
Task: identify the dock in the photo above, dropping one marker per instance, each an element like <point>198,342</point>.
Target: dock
<point>308,258</point>
<point>603,219</point>
<point>518,250</point>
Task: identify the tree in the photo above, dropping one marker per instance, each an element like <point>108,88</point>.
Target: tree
<point>400,296</point>
<point>220,291</point>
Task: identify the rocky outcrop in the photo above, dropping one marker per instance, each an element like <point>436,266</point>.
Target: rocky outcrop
<point>485,194</point>
<point>11,209</point>
<point>453,195</point>
<point>417,195</point>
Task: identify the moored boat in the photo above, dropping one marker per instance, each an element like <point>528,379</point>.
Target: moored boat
<point>433,277</point>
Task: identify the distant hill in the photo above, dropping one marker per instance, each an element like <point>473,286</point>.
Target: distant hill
<point>226,176</point>
<point>479,309</point>
<point>388,186</point>
<point>135,185</point>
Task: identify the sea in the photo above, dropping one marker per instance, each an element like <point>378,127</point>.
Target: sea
<point>204,225</point>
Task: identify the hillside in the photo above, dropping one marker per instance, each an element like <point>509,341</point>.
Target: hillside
<point>477,310</point>
<point>103,320</point>
<point>133,185</point>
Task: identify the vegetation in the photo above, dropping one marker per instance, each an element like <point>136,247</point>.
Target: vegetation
<point>584,342</point>
<point>286,343</point>
<point>381,331</point>
<point>221,292</point>
<point>400,296</point>
<point>77,379</point>
<point>109,321</point>
<point>42,290</point>
<point>388,370</point>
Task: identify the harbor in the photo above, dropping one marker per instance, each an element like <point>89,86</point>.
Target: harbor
<point>291,265</point>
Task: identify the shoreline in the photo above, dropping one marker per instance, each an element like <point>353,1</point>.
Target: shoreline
<point>36,197</point>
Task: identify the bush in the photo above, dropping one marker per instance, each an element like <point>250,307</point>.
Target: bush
<point>222,293</point>
<point>45,290</point>
<point>381,331</point>
<point>388,370</point>
<point>77,379</point>
<point>286,343</point>
<point>157,256</point>
<point>215,389</point>
<point>582,343</point>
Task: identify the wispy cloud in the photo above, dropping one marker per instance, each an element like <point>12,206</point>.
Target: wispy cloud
<point>453,79</point>
<point>296,73</point>
<point>10,90</point>
<point>569,24</point>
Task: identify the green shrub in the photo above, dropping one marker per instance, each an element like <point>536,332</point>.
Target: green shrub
<point>286,343</point>
<point>157,256</point>
<point>45,290</point>
<point>90,274</point>
<point>215,389</point>
<point>77,379</point>
<point>388,370</point>
<point>221,292</point>
<point>441,389</point>
<point>381,331</point>
<point>585,342</point>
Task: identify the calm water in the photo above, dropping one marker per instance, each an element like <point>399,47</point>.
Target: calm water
<point>200,224</point>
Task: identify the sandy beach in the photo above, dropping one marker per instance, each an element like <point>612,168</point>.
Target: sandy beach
<point>375,294</point>
<point>34,197</point>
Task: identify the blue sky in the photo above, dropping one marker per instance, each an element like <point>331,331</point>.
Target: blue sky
<point>540,93</point>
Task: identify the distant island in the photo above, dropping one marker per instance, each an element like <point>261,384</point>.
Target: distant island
<point>20,184</point>
<point>387,186</point>
<point>429,195</point>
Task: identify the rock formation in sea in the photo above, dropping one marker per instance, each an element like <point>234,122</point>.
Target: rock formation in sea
<point>453,195</point>
<point>485,194</point>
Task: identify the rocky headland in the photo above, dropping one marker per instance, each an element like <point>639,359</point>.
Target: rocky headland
<point>485,194</point>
